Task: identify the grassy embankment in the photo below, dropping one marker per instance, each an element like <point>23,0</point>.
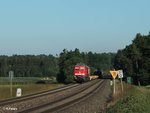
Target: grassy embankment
<point>134,99</point>
<point>26,89</point>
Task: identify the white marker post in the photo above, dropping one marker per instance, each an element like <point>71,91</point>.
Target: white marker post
<point>11,75</point>
<point>114,75</point>
<point>120,75</point>
<point>19,92</point>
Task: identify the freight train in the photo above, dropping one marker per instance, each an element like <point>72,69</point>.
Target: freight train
<point>82,73</point>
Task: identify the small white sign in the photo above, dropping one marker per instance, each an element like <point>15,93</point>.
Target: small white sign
<point>120,74</point>
<point>19,92</point>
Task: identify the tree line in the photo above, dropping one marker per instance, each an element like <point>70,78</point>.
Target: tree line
<point>60,66</point>
<point>134,59</point>
<point>29,65</point>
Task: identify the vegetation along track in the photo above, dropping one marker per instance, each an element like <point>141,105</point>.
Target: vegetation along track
<point>32,102</point>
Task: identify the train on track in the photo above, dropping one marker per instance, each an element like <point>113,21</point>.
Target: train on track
<point>82,73</point>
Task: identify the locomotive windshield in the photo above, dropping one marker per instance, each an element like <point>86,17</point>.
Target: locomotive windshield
<point>82,68</point>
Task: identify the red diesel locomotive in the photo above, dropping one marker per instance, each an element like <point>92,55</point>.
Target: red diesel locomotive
<point>81,72</point>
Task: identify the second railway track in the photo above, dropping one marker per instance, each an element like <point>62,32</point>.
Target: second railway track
<point>51,101</point>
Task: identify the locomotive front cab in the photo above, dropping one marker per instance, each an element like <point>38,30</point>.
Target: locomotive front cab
<point>81,73</point>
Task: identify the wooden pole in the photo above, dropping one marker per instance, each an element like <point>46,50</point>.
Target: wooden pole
<point>114,91</point>
<point>121,84</point>
<point>11,86</point>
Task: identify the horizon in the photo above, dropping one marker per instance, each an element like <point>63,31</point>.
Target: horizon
<point>57,54</point>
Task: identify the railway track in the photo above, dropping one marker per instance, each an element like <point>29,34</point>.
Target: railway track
<point>31,96</point>
<point>50,101</point>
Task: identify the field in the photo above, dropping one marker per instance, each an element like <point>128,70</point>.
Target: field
<point>26,80</point>
<point>26,89</point>
<point>133,100</point>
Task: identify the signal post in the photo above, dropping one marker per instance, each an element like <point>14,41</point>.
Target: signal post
<point>120,75</point>
<point>11,75</point>
<point>114,75</point>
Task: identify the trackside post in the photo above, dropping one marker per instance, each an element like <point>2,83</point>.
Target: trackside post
<point>114,75</point>
<point>11,75</point>
<point>19,92</point>
<point>120,75</point>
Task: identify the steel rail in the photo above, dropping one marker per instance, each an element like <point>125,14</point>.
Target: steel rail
<point>61,103</point>
<point>31,96</point>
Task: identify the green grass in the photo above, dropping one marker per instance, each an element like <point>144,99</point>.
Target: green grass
<point>137,100</point>
<point>26,89</point>
<point>26,80</point>
<point>148,87</point>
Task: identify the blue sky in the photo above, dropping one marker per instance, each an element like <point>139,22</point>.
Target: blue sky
<point>49,26</point>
